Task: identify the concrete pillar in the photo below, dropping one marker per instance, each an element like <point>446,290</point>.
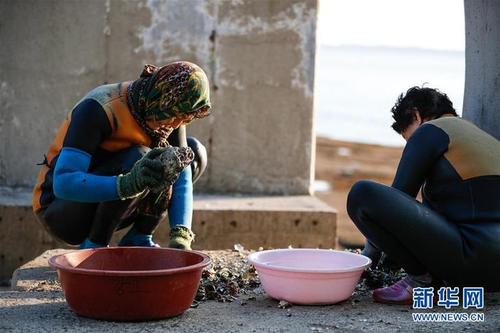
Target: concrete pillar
<point>258,54</point>
<point>482,64</point>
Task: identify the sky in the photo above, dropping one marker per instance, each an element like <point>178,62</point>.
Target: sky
<point>429,24</point>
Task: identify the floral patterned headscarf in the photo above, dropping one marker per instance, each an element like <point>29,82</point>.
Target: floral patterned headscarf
<point>166,92</point>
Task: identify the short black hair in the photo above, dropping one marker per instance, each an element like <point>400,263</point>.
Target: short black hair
<point>430,103</point>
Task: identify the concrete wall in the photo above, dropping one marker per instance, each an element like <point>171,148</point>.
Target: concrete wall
<point>482,59</point>
<point>258,54</point>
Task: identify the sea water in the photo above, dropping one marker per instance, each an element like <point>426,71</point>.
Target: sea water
<point>357,86</point>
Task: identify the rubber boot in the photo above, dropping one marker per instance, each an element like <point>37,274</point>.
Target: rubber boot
<point>135,238</point>
<point>181,238</point>
<point>88,244</point>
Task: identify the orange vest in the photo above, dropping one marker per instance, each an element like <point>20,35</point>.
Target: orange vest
<point>125,131</point>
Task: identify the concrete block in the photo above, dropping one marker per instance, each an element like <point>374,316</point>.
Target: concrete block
<point>37,273</point>
<point>299,221</point>
<point>219,222</point>
<point>22,237</point>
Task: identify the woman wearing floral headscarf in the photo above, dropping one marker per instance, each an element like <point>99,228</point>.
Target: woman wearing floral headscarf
<point>102,171</point>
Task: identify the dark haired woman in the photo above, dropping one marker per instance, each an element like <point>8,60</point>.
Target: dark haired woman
<point>453,236</point>
<point>101,172</point>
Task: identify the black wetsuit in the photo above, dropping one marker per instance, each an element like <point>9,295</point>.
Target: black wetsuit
<point>454,234</point>
<point>89,129</point>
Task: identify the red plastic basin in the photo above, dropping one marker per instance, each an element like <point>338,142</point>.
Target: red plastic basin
<point>129,283</point>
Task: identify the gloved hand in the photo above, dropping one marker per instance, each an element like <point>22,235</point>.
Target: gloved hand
<point>148,172</point>
<point>174,160</point>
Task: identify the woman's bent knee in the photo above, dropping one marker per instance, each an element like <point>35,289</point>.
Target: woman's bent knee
<point>360,195</point>
<point>200,157</point>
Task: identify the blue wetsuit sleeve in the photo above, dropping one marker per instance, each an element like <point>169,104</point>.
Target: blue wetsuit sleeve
<point>421,152</point>
<point>73,182</point>
<point>180,210</point>
<point>88,127</point>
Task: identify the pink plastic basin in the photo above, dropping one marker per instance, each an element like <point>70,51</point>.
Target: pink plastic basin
<point>130,283</point>
<point>309,276</point>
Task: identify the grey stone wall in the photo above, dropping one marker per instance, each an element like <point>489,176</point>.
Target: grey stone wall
<point>482,64</point>
<point>259,56</point>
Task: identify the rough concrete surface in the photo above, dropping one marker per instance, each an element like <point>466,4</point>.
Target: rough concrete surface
<point>482,69</point>
<point>45,310</point>
<point>48,312</point>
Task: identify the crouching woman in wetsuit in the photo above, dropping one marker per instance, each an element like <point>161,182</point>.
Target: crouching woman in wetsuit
<point>453,236</point>
<point>101,172</point>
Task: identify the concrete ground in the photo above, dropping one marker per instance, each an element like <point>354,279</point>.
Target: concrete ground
<point>38,305</point>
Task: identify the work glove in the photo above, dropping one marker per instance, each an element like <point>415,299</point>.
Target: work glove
<point>148,172</point>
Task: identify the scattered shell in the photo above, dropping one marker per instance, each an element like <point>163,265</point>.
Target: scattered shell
<point>284,305</point>
<point>238,247</point>
<point>228,277</point>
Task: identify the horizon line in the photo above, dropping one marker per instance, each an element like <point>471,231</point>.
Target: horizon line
<point>393,47</point>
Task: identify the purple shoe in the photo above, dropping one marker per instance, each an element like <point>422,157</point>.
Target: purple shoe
<point>400,292</point>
